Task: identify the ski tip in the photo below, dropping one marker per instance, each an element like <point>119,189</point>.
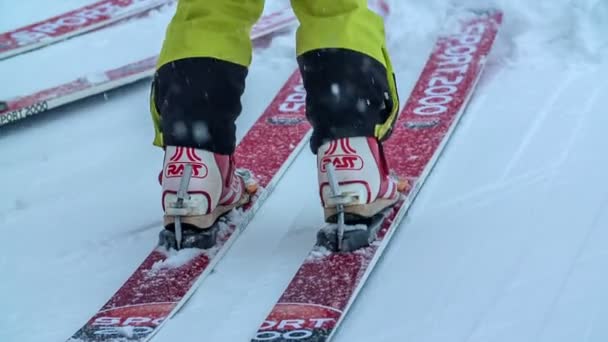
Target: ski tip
<point>485,12</point>
<point>491,13</point>
<point>471,13</point>
<point>3,106</point>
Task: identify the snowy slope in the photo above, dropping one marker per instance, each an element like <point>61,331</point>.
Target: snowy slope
<point>506,242</point>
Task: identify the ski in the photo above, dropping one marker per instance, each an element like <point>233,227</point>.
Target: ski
<point>25,106</point>
<point>166,279</point>
<point>327,283</point>
<point>74,23</point>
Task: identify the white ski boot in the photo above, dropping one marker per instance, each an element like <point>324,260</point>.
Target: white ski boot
<point>362,176</point>
<point>355,187</point>
<point>198,187</point>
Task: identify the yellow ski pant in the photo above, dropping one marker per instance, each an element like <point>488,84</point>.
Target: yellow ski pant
<point>220,29</point>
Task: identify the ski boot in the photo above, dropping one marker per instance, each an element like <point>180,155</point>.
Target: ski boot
<point>356,189</point>
<point>198,187</point>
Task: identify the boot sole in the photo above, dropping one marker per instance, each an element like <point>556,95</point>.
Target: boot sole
<point>360,210</point>
<point>207,221</point>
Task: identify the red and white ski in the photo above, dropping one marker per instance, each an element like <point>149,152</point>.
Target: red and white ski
<point>70,24</point>
<point>327,283</point>
<point>165,280</point>
<point>96,83</point>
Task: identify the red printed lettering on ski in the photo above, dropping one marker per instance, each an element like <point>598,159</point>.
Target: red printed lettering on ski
<point>70,21</point>
<point>453,60</point>
<point>295,101</point>
<point>135,321</point>
<point>126,321</point>
<point>296,322</point>
<point>292,324</point>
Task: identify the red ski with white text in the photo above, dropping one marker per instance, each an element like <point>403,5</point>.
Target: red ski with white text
<point>327,283</point>
<point>167,278</point>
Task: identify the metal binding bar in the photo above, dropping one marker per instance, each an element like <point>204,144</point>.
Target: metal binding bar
<point>182,194</point>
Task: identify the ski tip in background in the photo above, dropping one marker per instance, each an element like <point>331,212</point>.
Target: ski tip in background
<point>494,14</point>
<point>92,84</point>
<point>489,13</point>
<point>95,16</point>
<point>458,16</point>
<point>484,12</point>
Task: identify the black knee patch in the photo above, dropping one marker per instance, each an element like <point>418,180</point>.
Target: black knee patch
<point>347,94</point>
<point>199,100</point>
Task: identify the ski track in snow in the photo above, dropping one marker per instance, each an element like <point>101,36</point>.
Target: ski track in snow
<point>504,243</point>
<point>538,122</point>
<point>570,270</point>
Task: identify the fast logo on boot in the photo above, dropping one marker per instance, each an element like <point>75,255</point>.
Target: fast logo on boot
<point>175,168</point>
<point>342,155</point>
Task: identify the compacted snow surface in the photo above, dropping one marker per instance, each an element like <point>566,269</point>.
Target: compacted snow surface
<point>507,241</point>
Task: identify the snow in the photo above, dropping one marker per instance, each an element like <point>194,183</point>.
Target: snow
<point>504,243</point>
<point>176,258</point>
